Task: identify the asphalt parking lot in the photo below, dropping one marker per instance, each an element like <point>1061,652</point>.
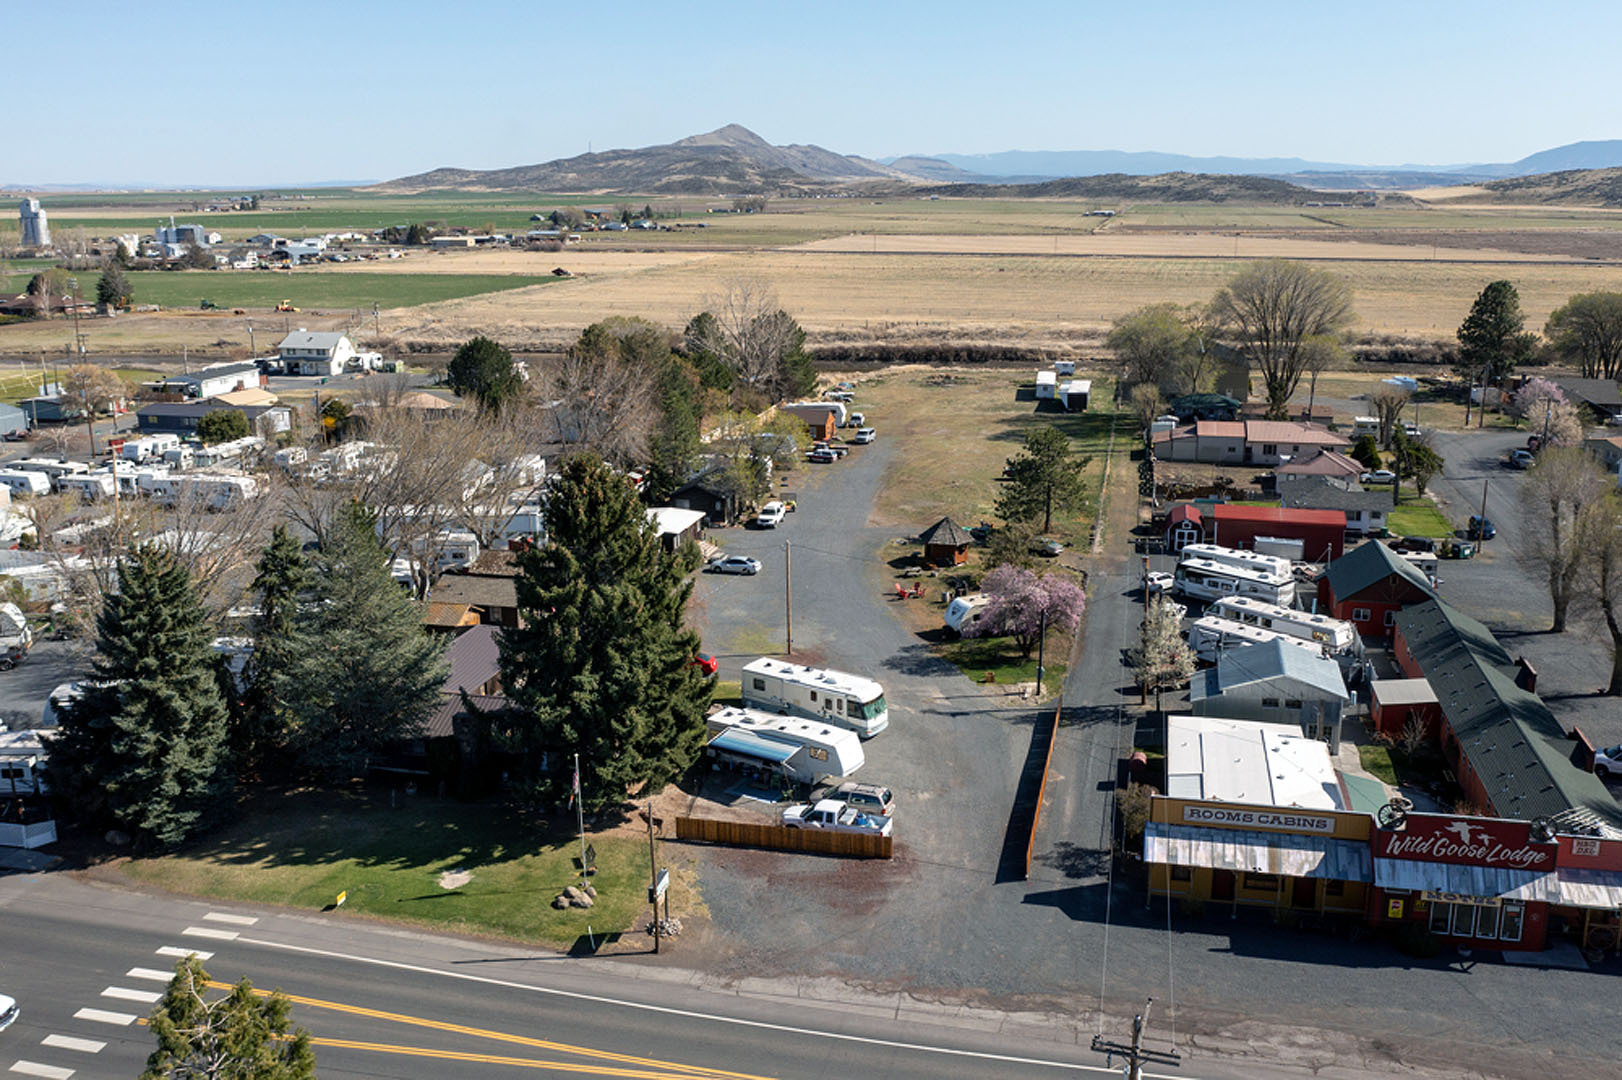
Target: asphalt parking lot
<point>25,688</point>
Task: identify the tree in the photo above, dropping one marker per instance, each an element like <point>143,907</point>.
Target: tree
<point>47,287</point>
<point>279,589</point>
<point>601,661</point>
<point>1587,330</point>
<point>603,390</point>
<point>364,672</point>
<point>484,371</point>
<point>1147,404</point>
<point>759,341</point>
<point>244,1034</point>
<point>95,389</point>
<point>335,417</point>
<point>1563,425</point>
<point>1534,398</point>
<point>113,289</point>
<point>1602,538</point>
<point>1044,477</point>
<point>197,258</point>
<point>145,749</point>
<point>1272,310</point>
<point>1022,606</point>
<point>221,425</point>
<point>1561,483</point>
<point>1366,452</point>
<point>567,217</point>
<point>1415,459</point>
<point>1152,344</point>
<point>1491,338</point>
<point>1388,400</point>
<point>1162,657</point>
<point>699,344</point>
<point>1319,354</point>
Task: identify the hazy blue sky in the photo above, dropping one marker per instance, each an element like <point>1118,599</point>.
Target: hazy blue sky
<point>171,91</point>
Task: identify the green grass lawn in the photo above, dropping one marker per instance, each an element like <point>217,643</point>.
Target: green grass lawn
<point>302,849</point>
<point>306,288</point>
<point>14,387</point>
<point>976,656</point>
<point>1377,762</point>
<point>1417,516</point>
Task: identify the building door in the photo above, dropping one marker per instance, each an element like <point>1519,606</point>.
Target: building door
<point>1221,884</point>
<point>1304,893</point>
<point>1184,534</point>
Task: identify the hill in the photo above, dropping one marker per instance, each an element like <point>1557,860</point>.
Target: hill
<point>1166,188</point>
<point>1574,187</point>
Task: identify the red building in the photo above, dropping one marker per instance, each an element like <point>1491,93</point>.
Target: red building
<point>1368,586</point>
<point>1322,532</point>
<point>1395,703</point>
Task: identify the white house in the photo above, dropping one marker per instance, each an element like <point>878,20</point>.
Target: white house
<point>215,380</point>
<point>304,352</point>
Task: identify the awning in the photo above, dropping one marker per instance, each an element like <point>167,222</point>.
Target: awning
<point>1601,889</point>
<point>752,745</point>
<point>1482,881</point>
<point>1250,851</point>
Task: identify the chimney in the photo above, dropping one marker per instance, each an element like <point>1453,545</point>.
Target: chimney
<point>1526,676</point>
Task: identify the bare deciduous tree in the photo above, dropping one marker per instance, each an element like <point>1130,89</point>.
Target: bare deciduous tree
<point>752,342</point>
<point>1602,536</point>
<point>95,389</point>
<point>1388,402</point>
<point>1271,309</point>
<point>1558,488</point>
<point>1146,405</point>
<point>598,401</point>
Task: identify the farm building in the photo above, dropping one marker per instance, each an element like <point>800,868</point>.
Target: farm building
<point>1369,585</point>
<point>1322,533</point>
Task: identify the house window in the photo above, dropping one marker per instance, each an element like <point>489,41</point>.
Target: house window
<point>1391,618</point>
<point>1269,449</point>
<point>1361,614</point>
<point>1182,873</point>
<point>1269,702</point>
<point>1376,515</point>
<point>1291,703</point>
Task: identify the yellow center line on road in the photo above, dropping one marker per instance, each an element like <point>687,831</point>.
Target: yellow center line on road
<point>495,1059</point>
<point>668,1069</point>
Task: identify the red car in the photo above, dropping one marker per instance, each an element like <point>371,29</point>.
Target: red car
<point>706,663</point>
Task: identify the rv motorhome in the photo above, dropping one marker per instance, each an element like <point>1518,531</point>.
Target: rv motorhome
<point>1336,635</point>
<point>1249,560</point>
<point>846,700</point>
<point>1208,636</point>
<point>1202,579</point>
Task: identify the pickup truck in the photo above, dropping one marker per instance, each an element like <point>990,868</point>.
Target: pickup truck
<point>836,815</point>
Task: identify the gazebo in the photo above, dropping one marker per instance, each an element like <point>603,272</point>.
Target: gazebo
<point>945,544</point>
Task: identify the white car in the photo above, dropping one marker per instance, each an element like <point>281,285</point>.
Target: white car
<point>1157,582</point>
<point>1608,762</point>
<point>735,564</point>
<point>865,435</point>
<point>1379,476</point>
<point>771,515</point>
<point>8,1011</point>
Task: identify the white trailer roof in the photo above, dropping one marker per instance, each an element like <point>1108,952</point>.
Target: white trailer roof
<point>817,678</point>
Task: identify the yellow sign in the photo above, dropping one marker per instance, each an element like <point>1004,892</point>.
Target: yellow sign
<point>1393,908</point>
<point>341,898</point>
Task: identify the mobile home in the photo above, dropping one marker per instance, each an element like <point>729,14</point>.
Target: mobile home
<point>1209,635</point>
<point>148,447</point>
<point>1248,560</point>
<point>846,700</point>
<point>1202,579</point>
<point>1336,635</point>
<point>26,483</point>
<point>805,751</point>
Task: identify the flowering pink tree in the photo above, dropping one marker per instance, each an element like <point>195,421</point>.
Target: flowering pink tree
<point>1020,600</point>
<point>1530,400</point>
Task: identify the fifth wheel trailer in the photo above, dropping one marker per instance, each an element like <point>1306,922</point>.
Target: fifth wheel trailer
<point>805,751</point>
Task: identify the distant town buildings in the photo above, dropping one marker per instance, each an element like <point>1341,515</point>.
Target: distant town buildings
<point>35,229</point>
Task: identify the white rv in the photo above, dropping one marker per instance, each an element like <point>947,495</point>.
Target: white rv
<point>55,470</point>
<point>1247,560</point>
<point>1202,579</point>
<point>846,700</point>
<point>1428,563</point>
<point>26,483</point>
<point>805,751</point>
<point>965,611</point>
<point>1064,367</point>
<point>1208,636</point>
<point>180,457</point>
<point>148,448</point>
<point>88,486</point>
<point>1336,635</point>
<point>458,550</point>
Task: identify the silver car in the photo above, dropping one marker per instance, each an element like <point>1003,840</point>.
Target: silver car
<point>735,564</point>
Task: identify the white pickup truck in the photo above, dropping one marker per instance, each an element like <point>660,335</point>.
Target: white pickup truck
<point>836,815</point>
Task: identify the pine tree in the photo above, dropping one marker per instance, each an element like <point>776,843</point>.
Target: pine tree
<point>602,661</point>
<point>146,749</point>
<point>113,289</point>
<point>362,670</point>
<point>242,1034</point>
<point>1042,479</point>
<point>279,588</point>
<point>483,370</point>
<point>1492,338</point>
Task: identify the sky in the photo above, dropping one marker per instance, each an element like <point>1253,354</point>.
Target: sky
<point>185,93</point>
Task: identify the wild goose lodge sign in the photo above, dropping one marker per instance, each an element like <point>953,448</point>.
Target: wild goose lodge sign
<point>1468,841</point>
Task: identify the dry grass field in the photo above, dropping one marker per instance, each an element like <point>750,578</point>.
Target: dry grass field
<point>1164,245</point>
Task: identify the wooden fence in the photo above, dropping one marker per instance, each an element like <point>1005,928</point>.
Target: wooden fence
<point>783,838</point>
<point>1042,790</point>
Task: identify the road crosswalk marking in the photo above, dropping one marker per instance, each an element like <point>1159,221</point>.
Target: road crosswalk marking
<point>102,1016</point>
<point>68,1042</point>
<point>178,952</point>
<point>150,974</point>
<point>210,932</point>
<point>227,917</point>
<point>124,993</point>
<point>49,1072</point>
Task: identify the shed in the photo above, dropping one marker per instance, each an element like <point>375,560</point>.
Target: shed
<point>1185,525</point>
<point>675,525</point>
<point>1395,702</point>
<point>945,544</point>
<point>713,490</point>
<point>1074,394</point>
<point>823,420</point>
<point>13,422</point>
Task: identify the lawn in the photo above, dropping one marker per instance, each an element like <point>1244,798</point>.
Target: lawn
<point>1417,516</point>
<point>998,656</point>
<point>16,387</point>
<point>302,849</point>
<point>305,288</point>
<point>1376,761</point>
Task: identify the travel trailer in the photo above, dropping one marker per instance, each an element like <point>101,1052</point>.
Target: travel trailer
<point>804,751</point>
<point>1202,579</point>
<point>1336,635</point>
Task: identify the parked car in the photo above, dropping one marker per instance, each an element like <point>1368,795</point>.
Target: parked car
<point>822,456</point>
<point>1157,582</point>
<point>771,515</point>
<point>1379,476</point>
<point>836,815</point>
<point>1520,459</point>
<point>1048,549</point>
<point>875,798</point>
<point>864,436</point>
<point>981,533</point>
<point>8,1011</point>
<point>706,663</point>
<point>1480,528</point>
<point>1608,762</point>
<point>1413,543</point>
<point>735,564</point>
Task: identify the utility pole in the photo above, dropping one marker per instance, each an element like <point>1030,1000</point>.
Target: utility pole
<point>788,598</point>
<point>653,879</point>
<point>1135,1054</point>
<point>253,353</point>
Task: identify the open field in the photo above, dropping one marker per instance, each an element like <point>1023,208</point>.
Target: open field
<point>306,288</point>
<point>1162,245</point>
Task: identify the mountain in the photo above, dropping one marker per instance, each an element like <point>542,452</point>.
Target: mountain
<point>728,160</point>
<point>1576,187</point>
<point>1165,188</point>
<point>1599,154</point>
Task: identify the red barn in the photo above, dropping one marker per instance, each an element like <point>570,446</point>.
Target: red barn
<point>1322,532</point>
<point>1369,585</point>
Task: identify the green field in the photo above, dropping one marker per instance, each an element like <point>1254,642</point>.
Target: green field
<point>315,289</point>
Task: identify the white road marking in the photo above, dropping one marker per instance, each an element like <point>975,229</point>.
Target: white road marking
<point>68,1042</point>
<point>149,997</point>
<point>210,932</point>
<point>34,1068</point>
<point>102,1016</point>
<point>979,1055</point>
<point>226,916</point>
<point>150,974</point>
<point>177,951</point>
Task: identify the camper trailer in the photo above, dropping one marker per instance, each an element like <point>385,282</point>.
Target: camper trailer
<point>1208,636</point>
<point>804,751</point>
<point>1336,635</point>
<point>25,483</point>
<point>849,701</point>
<point>965,611</point>
<point>1202,579</point>
<point>90,487</point>
<point>180,457</point>
<point>1245,560</point>
<point>52,469</point>
<point>148,448</point>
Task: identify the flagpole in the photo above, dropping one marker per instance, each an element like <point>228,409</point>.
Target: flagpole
<point>580,816</point>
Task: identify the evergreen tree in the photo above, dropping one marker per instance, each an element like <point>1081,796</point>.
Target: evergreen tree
<point>675,444</point>
<point>1366,452</point>
<point>1492,338</point>
<point>1041,479</point>
<point>362,670</point>
<point>239,1035</point>
<point>703,347</point>
<point>483,370</point>
<point>113,289</point>
<point>279,588</point>
<point>221,425</point>
<point>796,375</point>
<point>601,663</point>
<point>145,749</point>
